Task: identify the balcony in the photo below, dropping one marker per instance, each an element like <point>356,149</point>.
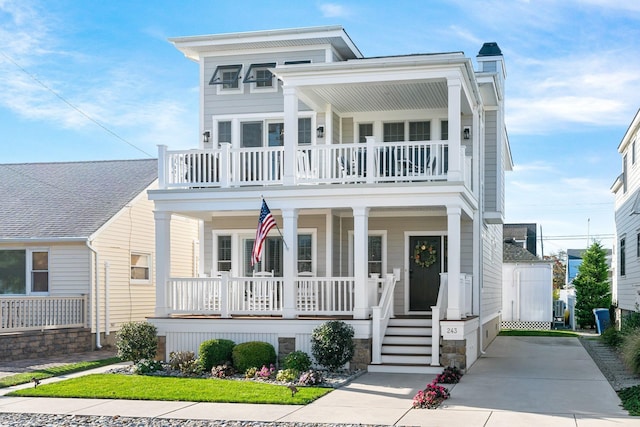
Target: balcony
<point>368,163</point>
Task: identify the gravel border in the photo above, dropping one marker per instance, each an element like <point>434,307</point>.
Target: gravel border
<point>610,364</point>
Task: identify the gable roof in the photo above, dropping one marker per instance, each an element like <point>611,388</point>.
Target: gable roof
<point>41,201</point>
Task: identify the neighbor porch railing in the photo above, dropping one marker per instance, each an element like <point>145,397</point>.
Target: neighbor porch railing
<point>371,162</point>
<point>29,313</point>
<point>226,296</point>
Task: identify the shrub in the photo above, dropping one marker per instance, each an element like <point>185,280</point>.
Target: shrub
<point>612,337</point>
<point>223,371</point>
<point>310,377</point>
<point>252,354</point>
<point>146,366</point>
<point>332,344</point>
<point>214,352</point>
<point>136,341</point>
<point>177,358</point>
<point>251,372</point>
<point>298,360</point>
<point>630,323</point>
<point>287,375</point>
<point>631,352</point>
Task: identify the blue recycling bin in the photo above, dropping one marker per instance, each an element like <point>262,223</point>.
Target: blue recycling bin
<point>602,319</point>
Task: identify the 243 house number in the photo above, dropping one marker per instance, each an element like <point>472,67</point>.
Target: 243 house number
<point>452,330</point>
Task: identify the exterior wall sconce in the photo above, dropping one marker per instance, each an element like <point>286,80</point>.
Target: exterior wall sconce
<point>320,132</point>
<point>466,132</point>
<point>205,136</point>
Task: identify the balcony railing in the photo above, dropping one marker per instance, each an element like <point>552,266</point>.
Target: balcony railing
<point>27,313</point>
<point>318,164</point>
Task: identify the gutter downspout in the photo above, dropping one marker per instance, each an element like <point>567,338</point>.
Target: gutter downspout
<point>97,294</point>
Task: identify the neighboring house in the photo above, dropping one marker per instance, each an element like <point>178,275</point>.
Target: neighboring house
<point>574,260</point>
<point>524,235</point>
<point>366,164</point>
<point>626,277</point>
<point>77,253</point>
<point>527,292</point>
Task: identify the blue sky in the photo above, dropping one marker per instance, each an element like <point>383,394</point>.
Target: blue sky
<point>572,83</point>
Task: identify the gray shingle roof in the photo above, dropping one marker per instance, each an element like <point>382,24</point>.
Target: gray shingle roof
<point>72,199</point>
<point>515,253</point>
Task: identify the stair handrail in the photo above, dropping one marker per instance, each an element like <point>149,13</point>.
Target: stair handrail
<point>381,314</point>
<point>437,314</point>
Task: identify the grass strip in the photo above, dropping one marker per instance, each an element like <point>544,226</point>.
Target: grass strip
<point>55,371</point>
<point>630,398</point>
<point>141,387</point>
<point>535,333</point>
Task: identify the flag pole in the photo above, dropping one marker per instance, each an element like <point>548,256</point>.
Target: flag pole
<point>284,242</point>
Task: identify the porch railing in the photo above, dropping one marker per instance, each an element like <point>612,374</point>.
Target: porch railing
<point>227,296</point>
<point>29,313</point>
<point>438,312</point>
<point>381,314</point>
<point>372,162</point>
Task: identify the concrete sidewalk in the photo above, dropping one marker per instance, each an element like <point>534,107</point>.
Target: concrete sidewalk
<point>520,381</point>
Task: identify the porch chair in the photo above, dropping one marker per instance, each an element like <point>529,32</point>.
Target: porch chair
<point>304,167</point>
<point>307,298</point>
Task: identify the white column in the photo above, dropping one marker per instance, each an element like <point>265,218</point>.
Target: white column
<point>454,308</point>
<point>477,141</point>
<point>163,260</point>
<point>360,257</point>
<point>290,261</point>
<point>290,134</point>
<point>454,173</point>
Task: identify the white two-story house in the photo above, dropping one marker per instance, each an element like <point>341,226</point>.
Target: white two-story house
<point>626,255</point>
<point>385,176</point>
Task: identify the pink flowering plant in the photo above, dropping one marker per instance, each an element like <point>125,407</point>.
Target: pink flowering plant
<point>266,373</point>
<point>450,375</point>
<point>431,397</point>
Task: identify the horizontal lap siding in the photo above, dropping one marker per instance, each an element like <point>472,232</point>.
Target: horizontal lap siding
<point>490,163</point>
<point>627,225</point>
<point>492,271</point>
<point>248,102</point>
<point>69,269</point>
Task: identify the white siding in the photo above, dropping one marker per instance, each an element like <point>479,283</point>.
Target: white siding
<point>626,288</point>
<point>491,174</point>
<point>491,292</point>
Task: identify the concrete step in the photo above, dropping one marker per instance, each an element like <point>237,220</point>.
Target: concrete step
<point>406,340</point>
<point>405,369</point>
<point>397,359</point>
<point>406,349</point>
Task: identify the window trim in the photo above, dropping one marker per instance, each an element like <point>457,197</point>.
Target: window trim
<point>254,81</point>
<point>31,270</point>
<point>149,267</point>
<point>216,79</point>
<point>381,233</point>
<point>28,269</point>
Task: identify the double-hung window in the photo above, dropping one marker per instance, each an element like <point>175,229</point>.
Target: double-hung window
<point>140,267</point>
<point>623,257</point>
<point>224,132</point>
<point>24,272</point>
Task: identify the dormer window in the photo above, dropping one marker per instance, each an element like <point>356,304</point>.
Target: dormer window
<point>260,77</point>
<point>226,77</point>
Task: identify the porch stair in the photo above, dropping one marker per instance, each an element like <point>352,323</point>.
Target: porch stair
<point>406,347</point>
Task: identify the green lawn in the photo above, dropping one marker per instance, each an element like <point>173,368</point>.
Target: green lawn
<point>141,387</point>
<point>531,333</point>
<point>55,371</point>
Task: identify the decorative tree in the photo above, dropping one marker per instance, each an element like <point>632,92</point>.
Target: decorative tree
<point>592,285</point>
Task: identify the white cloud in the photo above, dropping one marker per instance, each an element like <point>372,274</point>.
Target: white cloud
<point>333,10</point>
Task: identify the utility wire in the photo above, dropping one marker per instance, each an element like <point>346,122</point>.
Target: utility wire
<point>60,97</point>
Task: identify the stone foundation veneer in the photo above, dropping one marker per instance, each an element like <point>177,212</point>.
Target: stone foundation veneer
<point>362,354</point>
<point>286,345</point>
<point>38,344</point>
<point>454,353</point>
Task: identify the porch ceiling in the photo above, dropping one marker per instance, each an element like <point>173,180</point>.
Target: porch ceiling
<point>386,96</point>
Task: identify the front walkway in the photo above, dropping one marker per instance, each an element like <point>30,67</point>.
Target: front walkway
<point>541,381</point>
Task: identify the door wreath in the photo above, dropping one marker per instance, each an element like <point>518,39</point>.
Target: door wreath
<point>424,254</point>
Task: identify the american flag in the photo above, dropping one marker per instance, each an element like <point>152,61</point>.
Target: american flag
<point>265,223</point>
